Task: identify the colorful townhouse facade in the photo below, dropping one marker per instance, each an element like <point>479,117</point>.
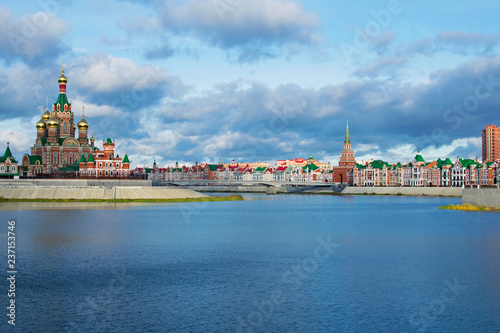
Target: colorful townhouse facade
<point>418,173</point>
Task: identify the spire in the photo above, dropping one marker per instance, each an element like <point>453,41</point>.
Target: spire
<point>7,152</point>
<point>347,136</point>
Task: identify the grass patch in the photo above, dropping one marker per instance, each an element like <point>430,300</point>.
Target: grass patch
<point>202,199</point>
<point>472,208</point>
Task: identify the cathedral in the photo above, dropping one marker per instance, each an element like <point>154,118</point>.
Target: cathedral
<point>56,148</point>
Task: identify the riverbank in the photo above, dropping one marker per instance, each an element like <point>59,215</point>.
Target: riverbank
<point>405,191</point>
<point>199,199</point>
<point>95,194</point>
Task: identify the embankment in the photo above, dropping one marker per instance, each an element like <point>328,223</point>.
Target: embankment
<point>485,197</point>
<point>412,191</point>
<point>97,193</point>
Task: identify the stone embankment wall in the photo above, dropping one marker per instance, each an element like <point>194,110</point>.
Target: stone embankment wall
<point>416,191</point>
<point>94,192</point>
<point>74,182</point>
<point>482,197</point>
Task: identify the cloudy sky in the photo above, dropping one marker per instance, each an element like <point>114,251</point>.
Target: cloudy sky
<point>197,80</point>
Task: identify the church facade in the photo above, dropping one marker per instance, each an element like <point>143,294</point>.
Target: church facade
<point>61,143</point>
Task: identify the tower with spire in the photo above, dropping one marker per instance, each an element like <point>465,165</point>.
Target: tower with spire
<point>347,158</point>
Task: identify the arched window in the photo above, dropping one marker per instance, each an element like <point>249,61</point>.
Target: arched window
<point>106,173</point>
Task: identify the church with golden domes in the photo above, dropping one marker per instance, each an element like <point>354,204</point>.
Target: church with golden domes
<point>56,148</point>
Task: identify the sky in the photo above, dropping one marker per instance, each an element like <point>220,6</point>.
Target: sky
<point>259,80</point>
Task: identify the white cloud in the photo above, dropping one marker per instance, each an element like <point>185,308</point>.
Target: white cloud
<point>35,38</point>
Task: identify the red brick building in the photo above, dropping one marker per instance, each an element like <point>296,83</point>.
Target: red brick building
<point>347,161</point>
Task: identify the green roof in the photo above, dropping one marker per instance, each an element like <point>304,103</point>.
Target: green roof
<point>71,167</point>
<point>378,164</point>
<point>7,152</point>
<point>419,158</point>
<point>91,158</point>
<point>213,167</point>
<point>260,170</point>
<point>447,162</point>
<point>33,158</point>
<point>125,159</point>
<point>108,141</point>
<point>61,100</point>
<point>310,167</point>
<point>7,155</point>
<point>83,159</point>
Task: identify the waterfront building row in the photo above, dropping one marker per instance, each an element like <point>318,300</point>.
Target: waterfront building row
<point>440,173</point>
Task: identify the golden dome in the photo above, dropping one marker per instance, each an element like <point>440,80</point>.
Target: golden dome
<point>46,115</point>
<point>41,124</point>
<point>52,122</point>
<point>62,78</point>
<point>83,123</point>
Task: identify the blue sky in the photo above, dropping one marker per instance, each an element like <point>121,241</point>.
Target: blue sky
<point>258,80</point>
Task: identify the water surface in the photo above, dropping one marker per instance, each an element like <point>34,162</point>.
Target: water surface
<point>394,264</point>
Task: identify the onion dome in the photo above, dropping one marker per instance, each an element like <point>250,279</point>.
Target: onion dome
<point>62,78</point>
<point>41,124</point>
<point>52,122</point>
<point>83,123</point>
<point>46,115</point>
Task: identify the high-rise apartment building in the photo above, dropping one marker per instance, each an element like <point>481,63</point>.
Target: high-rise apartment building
<point>491,147</point>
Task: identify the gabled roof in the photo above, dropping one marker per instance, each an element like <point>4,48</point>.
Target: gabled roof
<point>260,170</point>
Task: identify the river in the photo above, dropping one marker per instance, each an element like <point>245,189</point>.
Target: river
<point>284,263</point>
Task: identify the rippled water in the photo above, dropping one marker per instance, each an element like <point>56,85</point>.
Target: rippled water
<point>285,263</point>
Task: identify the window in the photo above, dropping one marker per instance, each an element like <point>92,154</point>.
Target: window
<point>100,173</point>
<point>54,158</point>
<point>106,173</point>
